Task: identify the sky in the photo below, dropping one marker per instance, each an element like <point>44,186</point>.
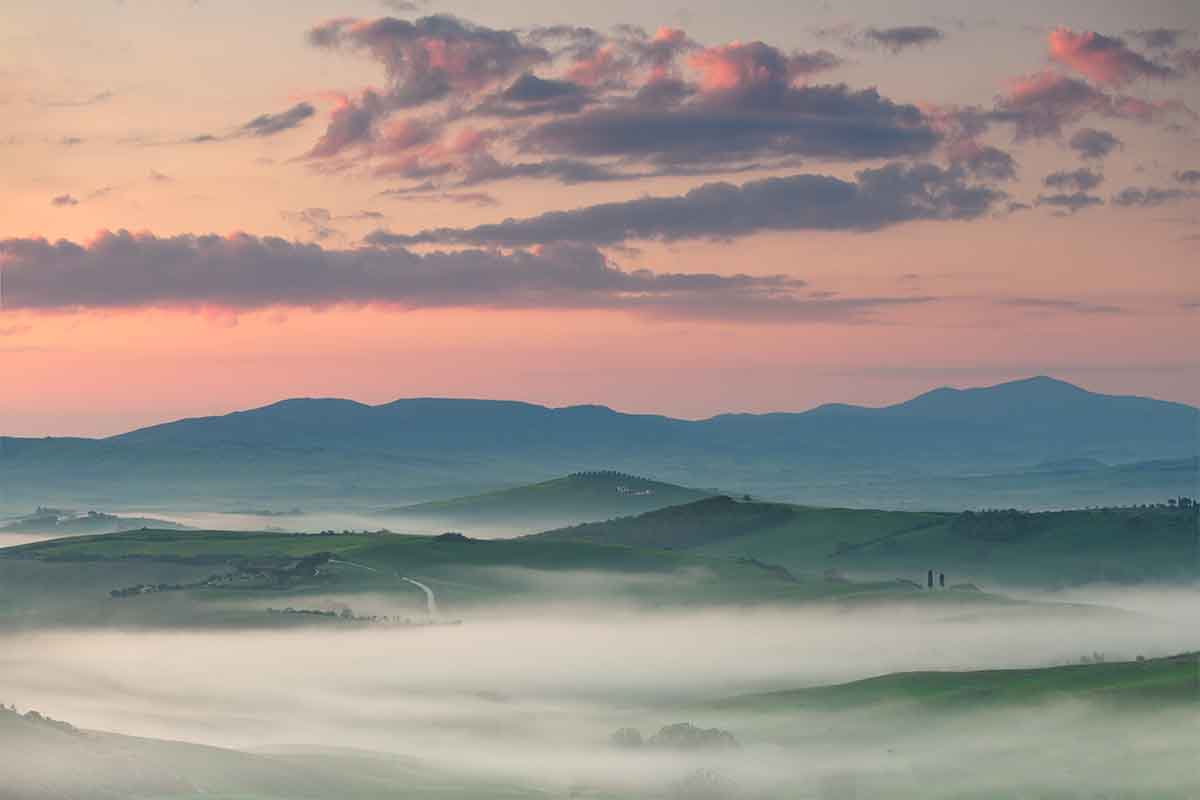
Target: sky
<point>765,206</point>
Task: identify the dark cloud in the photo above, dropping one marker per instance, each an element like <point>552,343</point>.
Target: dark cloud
<point>1161,38</point>
<point>1042,104</point>
<point>900,38</point>
<point>1151,197</point>
<point>485,169</point>
<point>988,163</point>
<point>429,58</point>
<point>1093,144</point>
<point>1059,304</point>
<point>744,123</point>
<point>64,200</point>
<point>1079,180</point>
<point>894,39</point>
<point>1069,202</point>
<point>123,270</point>
<point>879,198</point>
<point>1189,176</point>
<point>271,124</point>
<point>530,95</point>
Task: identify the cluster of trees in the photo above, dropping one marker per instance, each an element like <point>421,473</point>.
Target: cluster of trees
<point>150,588</point>
<point>348,532</point>
<point>38,718</point>
<point>348,615</point>
<point>680,736</point>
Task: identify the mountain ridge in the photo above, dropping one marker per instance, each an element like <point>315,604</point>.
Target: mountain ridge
<point>417,449</point>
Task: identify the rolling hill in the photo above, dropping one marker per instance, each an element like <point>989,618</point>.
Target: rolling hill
<point>1045,549</point>
<point>223,577</point>
<point>910,455</point>
<point>1155,682</point>
<point>579,497</point>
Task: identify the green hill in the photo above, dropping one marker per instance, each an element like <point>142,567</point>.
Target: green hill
<point>221,577</point>
<point>579,497</point>
<point>1045,549</point>
<point>1160,682</point>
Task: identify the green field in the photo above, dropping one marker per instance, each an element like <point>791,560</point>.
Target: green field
<point>78,572</point>
<point>1046,549</point>
<point>1157,682</point>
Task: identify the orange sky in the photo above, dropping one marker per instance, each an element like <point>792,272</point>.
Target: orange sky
<point>101,107</point>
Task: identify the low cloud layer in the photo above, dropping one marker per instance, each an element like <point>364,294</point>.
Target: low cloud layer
<point>242,272</point>
<point>878,198</point>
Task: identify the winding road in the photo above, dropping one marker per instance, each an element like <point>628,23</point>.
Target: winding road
<point>430,598</point>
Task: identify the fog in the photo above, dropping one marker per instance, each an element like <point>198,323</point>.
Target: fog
<point>534,697</point>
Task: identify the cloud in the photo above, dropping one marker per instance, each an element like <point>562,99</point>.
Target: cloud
<point>756,67</point>
<point>1080,180</point>
<point>901,38</point>
<point>1161,38</point>
<point>530,95</point>
<point>1090,143</point>
<point>743,122</point>
<point>1059,304</point>
<point>428,59</point>
<point>1151,197</point>
<point>986,163</point>
<point>242,272</point>
<point>476,199</point>
<point>878,198</point>
<point>81,102</point>
<point>892,39</point>
<point>271,124</point>
<point>1103,59</point>
<point>1069,202</point>
<point>1189,176</point>
<point>655,103</point>
<point>158,177</point>
<point>1041,104</point>
<point>319,221</point>
<point>64,200</point>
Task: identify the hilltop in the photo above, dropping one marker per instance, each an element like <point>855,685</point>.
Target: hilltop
<point>579,497</point>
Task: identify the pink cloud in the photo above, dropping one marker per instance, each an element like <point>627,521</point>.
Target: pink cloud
<point>1103,59</point>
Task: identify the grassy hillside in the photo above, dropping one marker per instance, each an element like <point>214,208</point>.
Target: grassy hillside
<point>1047,549</point>
<point>251,571</point>
<point>1160,682</point>
<point>579,497</point>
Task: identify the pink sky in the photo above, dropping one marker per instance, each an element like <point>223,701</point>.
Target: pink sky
<point>767,212</point>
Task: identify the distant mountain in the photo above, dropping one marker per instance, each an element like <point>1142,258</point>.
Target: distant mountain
<point>328,450</point>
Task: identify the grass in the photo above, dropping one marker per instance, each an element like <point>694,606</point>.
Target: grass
<point>1160,681</point>
<point>1047,549</point>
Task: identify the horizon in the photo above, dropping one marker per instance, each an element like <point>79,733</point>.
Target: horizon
<point>621,411</point>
